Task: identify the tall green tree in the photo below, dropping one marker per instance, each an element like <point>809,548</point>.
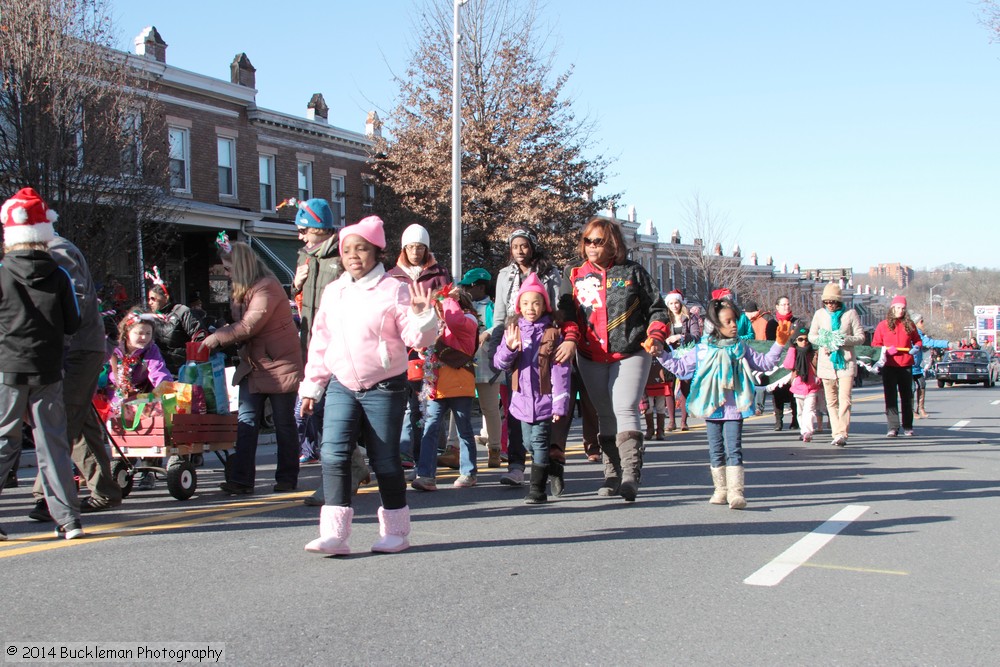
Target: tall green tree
<point>526,156</point>
<point>77,124</point>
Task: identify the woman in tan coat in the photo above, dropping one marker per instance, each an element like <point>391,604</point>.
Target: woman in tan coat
<point>270,368</point>
<point>836,367</point>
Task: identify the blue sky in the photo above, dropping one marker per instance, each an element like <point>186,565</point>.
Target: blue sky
<point>829,134</point>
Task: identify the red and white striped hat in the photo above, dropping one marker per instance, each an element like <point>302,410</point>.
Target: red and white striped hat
<point>27,219</point>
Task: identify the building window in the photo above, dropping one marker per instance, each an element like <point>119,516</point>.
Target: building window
<point>131,142</point>
<point>227,166</point>
<point>180,163</point>
<point>367,194</point>
<point>266,163</point>
<point>337,203</point>
<point>305,181</point>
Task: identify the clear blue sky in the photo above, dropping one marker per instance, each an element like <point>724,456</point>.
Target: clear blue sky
<point>831,134</point>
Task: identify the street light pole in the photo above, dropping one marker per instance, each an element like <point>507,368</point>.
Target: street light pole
<point>456,150</point>
<point>930,299</point>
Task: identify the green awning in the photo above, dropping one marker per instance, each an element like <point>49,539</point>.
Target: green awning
<point>280,255</point>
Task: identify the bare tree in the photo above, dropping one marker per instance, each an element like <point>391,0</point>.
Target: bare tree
<point>989,17</point>
<point>77,124</point>
<point>712,268</point>
<point>524,150</point>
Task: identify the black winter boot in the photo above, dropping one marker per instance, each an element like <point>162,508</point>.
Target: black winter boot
<point>778,425</point>
<point>536,491</point>
<point>556,471</point>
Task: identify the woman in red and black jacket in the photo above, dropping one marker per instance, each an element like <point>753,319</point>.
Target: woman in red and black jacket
<point>898,335</point>
<point>617,307</point>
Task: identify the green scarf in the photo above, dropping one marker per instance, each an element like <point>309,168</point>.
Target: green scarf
<point>721,367</point>
<point>837,356</point>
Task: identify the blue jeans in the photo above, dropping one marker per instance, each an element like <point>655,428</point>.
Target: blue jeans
<point>437,412</point>
<point>242,465</point>
<point>413,427</point>
<point>376,415</point>
<point>725,442</point>
<point>537,436</point>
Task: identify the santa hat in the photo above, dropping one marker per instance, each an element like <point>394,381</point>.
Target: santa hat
<point>370,229</point>
<point>723,293</point>
<point>898,300</point>
<point>674,295</point>
<point>27,219</point>
<point>416,234</point>
<point>532,284</point>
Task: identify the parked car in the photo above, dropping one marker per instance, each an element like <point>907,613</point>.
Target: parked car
<point>967,367</point>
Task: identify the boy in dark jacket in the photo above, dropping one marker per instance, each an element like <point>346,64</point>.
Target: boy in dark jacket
<point>38,309</point>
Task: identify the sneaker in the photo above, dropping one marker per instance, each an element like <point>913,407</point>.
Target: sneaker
<point>307,460</point>
<point>70,531</point>
<point>424,484</point>
<point>464,481</point>
<point>407,462</point>
<point>908,432</point>
<point>90,504</point>
<point>892,433</point>
<point>40,512</point>
<point>807,437</point>
<point>147,482</point>
<point>284,487</point>
<point>513,477</point>
<point>596,458</point>
<point>839,441</point>
<point>235,489</point>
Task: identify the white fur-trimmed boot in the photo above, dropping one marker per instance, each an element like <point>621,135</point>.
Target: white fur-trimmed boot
<point>734,487</point>
<point>719,480</point>
<point>393,530</point>
<point>334,529</point>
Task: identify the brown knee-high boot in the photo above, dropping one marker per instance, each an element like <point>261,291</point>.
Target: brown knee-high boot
<point>612,466</point>
<point>671,407</point>
<point>630,449</point>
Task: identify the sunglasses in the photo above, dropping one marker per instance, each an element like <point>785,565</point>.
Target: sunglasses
<point>303,230</point>
<point>598,242</point>
<point>830,303</point>
<point>801,339</point>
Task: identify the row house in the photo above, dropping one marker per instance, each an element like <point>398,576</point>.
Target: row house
<point>232,162</point>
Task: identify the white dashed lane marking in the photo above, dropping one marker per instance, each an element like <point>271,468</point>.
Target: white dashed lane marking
<point>959,425</point>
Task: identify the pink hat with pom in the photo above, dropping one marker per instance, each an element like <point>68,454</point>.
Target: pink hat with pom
<point>532,284</point>
<point>898,300</point>
<point>27,219</point>
<point>370,229</point>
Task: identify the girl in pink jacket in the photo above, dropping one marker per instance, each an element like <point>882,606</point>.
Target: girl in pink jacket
<point>357,355</point>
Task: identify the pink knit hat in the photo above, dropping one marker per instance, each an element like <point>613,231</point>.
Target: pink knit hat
<point>532,284</point>
<point>898,300</point>
<point>370,229</point>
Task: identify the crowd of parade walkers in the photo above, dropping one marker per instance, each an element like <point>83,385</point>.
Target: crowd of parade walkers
<point>532,347</point>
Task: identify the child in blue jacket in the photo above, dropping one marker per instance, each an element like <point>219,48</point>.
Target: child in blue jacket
<point>539,385</point>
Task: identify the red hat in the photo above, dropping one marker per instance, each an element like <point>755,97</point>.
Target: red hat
<point>370,229</point>
<point>674,295</point>
<point>898,300</point>
<point>532,284</point>
<point>721,293</point>
<point>27,219</point>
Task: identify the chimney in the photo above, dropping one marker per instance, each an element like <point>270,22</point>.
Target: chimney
<point>650,229</point>
<point>717,249</point>
<point>675,236</point>
<point>753,258</point>
<point>631,213</point>
<point>317,109</point>
<point>736,251</point>
<point>242,72</point>
<point>373,125</point>
<point>149,44</point>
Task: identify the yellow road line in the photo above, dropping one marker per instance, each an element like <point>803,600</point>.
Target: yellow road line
<point>856,569</point>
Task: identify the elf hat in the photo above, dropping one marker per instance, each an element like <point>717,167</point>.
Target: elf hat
<point>415,234</point>
<point>27,219</point>
<point>674,295</point>
<point>370,229</point>
<point>532,284</point>
<point>314,213</point>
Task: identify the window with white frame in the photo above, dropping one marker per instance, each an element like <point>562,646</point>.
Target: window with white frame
<point>227,166</point>
<point>131,143</point>
<point>305,180</point>
<point>337,202</point>
<point>266,163</point>
<point>180,162</point>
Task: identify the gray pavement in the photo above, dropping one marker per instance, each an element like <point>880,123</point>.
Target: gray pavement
<point>582,580</point>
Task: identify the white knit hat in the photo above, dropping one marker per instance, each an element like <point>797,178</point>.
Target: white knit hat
<point>416,234</point>
<point>27,219</point>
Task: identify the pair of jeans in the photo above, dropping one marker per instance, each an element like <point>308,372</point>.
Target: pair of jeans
<point>537,435</point>
<point>437,411</point>
<point>413,422</point>
<point>242,465</point>
<point>376,416</point>
<point>725,442</point>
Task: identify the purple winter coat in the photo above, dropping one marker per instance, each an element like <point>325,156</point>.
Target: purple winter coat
<point>150,372</point>
<point>528,404</point>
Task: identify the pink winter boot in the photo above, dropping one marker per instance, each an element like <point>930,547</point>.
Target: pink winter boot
<point>334,529</point>
<point>394,530</point>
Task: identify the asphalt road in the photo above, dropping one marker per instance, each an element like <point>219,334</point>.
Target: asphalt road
<point>910,579</point>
